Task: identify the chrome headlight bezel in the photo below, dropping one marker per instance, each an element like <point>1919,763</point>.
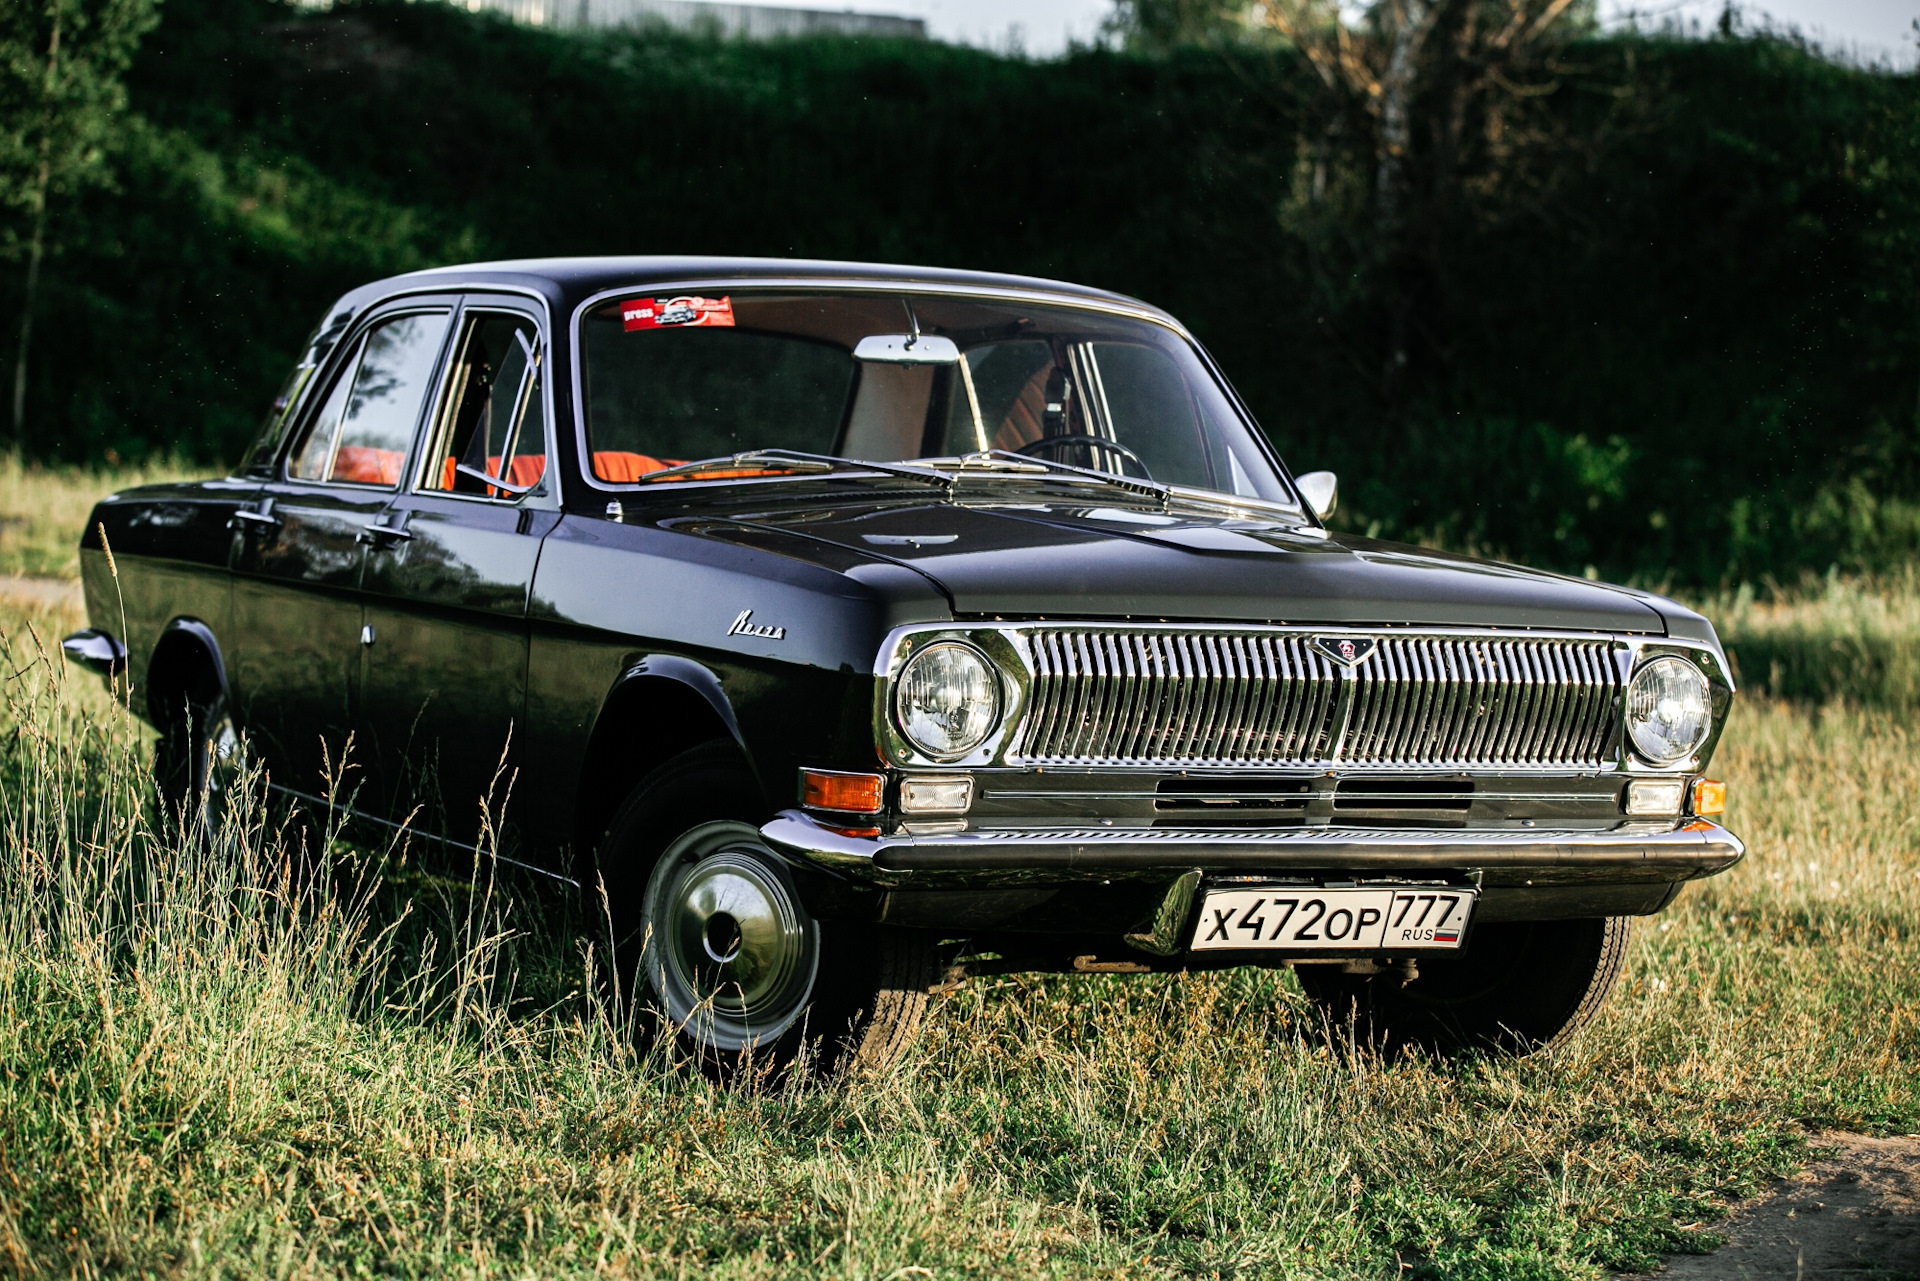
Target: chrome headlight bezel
<point>992,694</point>
<point>1649,746</point>
<point>902,646</point>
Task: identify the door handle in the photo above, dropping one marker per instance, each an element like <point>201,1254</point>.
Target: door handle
<point>263,518</point>
<point>376,534</point>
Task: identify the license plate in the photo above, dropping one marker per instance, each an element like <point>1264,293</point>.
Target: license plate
<point>1303,918</point>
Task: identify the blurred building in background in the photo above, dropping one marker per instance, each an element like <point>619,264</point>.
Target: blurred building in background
<point>747,21</point>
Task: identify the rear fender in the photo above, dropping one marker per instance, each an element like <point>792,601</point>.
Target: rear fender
<point>185,664</point>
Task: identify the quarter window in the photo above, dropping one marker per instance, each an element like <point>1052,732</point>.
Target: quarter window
<point>362,432</point>
<point>492,424</point>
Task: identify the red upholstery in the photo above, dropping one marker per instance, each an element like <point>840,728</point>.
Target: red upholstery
<point>622,467</point>
<point>1025,420</point>
<point>368,466</point>
<point>525,469</point>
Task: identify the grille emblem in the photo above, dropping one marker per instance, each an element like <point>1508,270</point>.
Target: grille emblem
<point>1348,651</point>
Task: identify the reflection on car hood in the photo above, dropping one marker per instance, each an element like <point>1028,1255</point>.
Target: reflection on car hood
<point>1049,559</point>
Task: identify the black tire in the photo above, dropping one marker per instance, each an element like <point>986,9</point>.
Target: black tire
<point>756,989</point>
<point>1519,987</point>
<point>200,758</point>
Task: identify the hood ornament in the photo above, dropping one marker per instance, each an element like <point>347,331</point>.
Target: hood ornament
<point>1348,651</point>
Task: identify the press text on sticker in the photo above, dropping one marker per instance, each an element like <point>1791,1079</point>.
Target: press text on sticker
<point>684,311</point>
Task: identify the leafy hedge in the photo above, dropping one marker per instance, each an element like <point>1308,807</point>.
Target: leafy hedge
<point>1681,344</point>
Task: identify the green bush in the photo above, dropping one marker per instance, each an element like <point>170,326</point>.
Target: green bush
<point>1679,343</point>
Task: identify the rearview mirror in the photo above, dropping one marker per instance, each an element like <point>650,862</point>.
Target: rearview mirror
<point>907,349</point>
<point>1321,489</point>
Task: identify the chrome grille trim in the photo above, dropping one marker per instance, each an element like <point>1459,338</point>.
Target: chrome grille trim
<point>1120,696</point>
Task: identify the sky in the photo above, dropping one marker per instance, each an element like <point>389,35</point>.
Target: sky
<point>1868,30</point>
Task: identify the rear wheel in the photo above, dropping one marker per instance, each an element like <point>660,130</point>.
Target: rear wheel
<point>710,933</point>
<point>200,760</point>
<point>1518,988</point>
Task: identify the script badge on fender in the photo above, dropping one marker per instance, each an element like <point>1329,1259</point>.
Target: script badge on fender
<point>1348,651</point>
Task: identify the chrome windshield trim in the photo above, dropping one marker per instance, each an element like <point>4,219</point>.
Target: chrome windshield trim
<point>1012,293</point>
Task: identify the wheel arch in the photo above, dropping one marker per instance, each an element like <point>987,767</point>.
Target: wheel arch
<point>186,661</point>
<point>677,697</point>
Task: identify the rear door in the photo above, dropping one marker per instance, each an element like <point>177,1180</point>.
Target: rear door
<point>445,588</point>
<point>296,583</point>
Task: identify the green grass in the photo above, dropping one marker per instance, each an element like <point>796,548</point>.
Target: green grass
<point>215,1064</point>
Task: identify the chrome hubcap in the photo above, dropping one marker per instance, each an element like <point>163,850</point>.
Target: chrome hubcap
<point>731,952</point>
<point>226,758</point>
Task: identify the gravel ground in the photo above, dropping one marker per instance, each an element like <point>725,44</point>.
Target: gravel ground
<point>1854,1214</point>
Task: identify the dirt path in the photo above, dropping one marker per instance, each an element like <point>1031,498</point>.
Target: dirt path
<point>43,593</point>
<point>1854,1214</point>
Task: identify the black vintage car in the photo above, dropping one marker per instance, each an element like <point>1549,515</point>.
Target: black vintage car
<point>856,628</point>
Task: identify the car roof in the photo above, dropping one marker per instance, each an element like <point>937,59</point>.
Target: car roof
<point>566,281</point>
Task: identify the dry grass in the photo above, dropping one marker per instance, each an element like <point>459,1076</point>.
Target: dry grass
<point>1833,637</point>
<point>43,508</point>
<point>212,1066</point>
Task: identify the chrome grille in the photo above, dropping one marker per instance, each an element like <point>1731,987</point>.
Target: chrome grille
<point>1104,696</point>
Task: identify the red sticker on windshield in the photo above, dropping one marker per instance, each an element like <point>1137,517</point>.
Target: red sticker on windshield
<point>686,311</point>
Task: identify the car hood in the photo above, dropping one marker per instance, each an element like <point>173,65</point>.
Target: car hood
<point>1050,559</point>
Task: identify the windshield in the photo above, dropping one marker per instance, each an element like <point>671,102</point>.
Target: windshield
<point>673,379</point>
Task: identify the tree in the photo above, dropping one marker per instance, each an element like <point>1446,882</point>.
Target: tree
<point>60,100</point>
<point>1444,104</point>
<point>1160,26</point>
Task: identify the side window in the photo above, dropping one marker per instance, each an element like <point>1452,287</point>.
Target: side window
<point>493,424</point>
<point>361,434</point>
<point>265,446</point>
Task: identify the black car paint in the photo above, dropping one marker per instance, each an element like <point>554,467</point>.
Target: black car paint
<point>555,646</point>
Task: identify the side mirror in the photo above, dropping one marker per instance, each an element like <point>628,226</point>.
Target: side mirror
<point>907,349</point>
<point>1321,489</point>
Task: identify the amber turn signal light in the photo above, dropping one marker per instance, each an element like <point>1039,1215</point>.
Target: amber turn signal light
<point>822,789</point>
<point>1709,796</point>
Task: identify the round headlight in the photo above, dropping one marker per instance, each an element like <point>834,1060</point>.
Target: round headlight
<point>1669,710</point>
<point>947,699</point>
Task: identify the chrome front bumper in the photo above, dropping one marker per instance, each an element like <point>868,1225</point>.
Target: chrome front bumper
<point>1505,856</point>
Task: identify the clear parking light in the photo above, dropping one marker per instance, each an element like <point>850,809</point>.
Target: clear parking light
<point>1655,797</point>
<point>1669,710</point>
<point>947,699</point>
<point>936,795</point>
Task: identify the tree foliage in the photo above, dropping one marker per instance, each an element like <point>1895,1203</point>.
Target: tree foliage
<point>60,100</point>
<point>1641,304</point>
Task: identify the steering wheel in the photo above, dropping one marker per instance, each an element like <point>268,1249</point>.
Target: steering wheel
<point>1074,440</point>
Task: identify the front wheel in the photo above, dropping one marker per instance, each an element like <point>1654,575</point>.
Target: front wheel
<point>711,934</point>
<point>1519,987</point>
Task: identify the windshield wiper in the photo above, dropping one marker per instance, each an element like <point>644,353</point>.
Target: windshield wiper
<point>1006,462</point>
<point>792,462</point>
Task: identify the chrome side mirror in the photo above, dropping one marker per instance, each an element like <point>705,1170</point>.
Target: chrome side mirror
<point>907,349</point>
<point>1321,489</point>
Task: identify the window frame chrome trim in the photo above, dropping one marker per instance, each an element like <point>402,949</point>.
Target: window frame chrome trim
<point>542,332</point>
<point>1012,293</point>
